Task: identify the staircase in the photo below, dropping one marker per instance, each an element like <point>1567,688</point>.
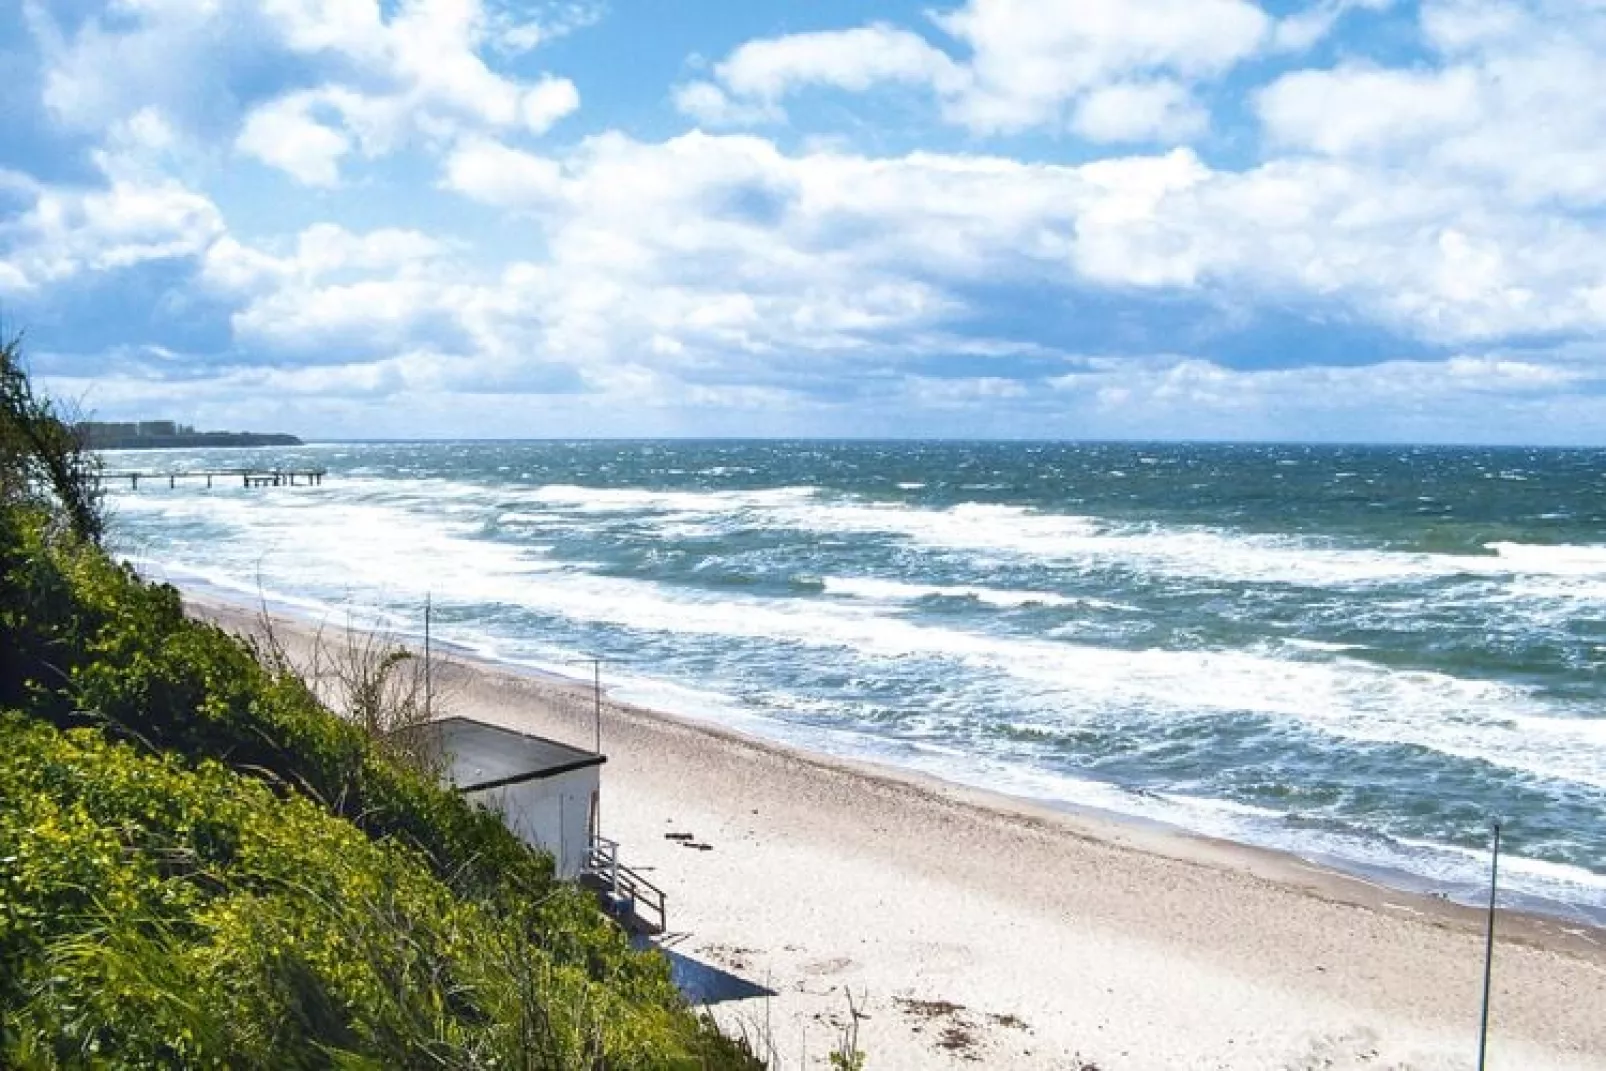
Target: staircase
<point>636,903</point>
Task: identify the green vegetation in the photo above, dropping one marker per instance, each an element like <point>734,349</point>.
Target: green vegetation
<point>200,866</point>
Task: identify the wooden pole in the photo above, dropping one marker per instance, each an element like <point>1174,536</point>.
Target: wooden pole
<point>429,681</point>
<point>1488,947</point>
<point>596,698</point>
<point>596,799</point>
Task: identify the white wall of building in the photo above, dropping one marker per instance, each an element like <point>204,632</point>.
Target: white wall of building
<point>551,813</point>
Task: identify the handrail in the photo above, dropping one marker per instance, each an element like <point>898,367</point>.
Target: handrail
<point>602,860</point>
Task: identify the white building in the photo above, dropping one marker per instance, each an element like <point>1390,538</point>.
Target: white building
<point>548,793</point>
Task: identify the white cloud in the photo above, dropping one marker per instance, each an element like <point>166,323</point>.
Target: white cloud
<point>551,99</point>
<point>1357,110</point>
<point>321,252</point>
<point>1444,264</point>
<point>440,87</point>
<point>1139,111</point>
<point>1507,397</point>
<point>712,106</point>
<point>855,59</point>
<point>1456,25</point>
<point>378,77</point>
<point>752,81</point>
<point>491,172</point>
<point>347,318</point>
<point>355,292</point>
<point>1032,57</point>
<point>283,134</point>
<point>69,231</point>
<point>518,26</point>
<point>1031,63</point>
<point>352,27</point>
<point>1517,99</point>
<point>1436,201</point>
<point>712,252</point>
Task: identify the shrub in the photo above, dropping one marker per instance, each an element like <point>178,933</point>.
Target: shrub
<point>43,458</point>
<point>159,913</point>
<point>94,645</point>
<point>201,866</point>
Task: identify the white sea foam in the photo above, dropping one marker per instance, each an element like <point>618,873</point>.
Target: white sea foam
<point>378,554</point>
<point>632,500</point>
<point>1087,542</point>
<point>1556,560</point>
<point>988,531</point>
<point>1083,542</point>
<point>1322,646</point>
<point>873,589</point>
<point>1543,869</point>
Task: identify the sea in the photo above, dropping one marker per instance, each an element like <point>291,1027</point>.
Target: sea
<point>1363,655</point>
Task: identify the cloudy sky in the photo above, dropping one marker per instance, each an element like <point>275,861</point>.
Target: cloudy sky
<point>1309,219</point>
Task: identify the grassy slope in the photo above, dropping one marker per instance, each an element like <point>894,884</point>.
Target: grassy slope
<point>200,866</point>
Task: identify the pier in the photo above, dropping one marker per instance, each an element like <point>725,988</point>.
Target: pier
<point>247,477</point>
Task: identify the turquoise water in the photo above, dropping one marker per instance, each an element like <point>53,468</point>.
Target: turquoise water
<point>1358,654</point>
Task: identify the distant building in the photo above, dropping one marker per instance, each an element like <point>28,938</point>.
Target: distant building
<point>95,429</point>
<point>167,434</point>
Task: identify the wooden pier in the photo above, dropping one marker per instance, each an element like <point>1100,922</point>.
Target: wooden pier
<point>247,477</point>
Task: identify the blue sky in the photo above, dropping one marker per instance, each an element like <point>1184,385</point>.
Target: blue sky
<point>1314,219</point>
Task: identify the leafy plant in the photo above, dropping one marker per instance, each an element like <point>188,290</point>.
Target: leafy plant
<point>43,458</point>
<point>203,866</point>
<point>159,913</point>
<point>847,1055</point>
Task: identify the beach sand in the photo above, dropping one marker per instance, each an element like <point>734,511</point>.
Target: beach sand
<point>974,930</point>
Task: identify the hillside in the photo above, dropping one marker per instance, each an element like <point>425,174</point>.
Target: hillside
<point>200,866</point>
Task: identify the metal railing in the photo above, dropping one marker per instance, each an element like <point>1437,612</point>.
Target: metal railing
<point>606,872</point>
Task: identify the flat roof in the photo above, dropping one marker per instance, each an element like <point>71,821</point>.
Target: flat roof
<point>484,756</point>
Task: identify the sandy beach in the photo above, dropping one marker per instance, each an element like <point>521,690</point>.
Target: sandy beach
<point>978,930</point>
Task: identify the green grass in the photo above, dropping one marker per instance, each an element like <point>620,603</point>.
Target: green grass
<point>201,866</point>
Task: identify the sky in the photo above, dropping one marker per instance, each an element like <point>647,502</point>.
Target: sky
<point>1323,220</point>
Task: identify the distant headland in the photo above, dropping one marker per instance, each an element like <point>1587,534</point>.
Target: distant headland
<point>160,434</point>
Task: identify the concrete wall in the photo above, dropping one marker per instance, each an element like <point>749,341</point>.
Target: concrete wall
<point>552,813</point>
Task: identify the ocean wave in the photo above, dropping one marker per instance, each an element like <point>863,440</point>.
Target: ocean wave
<point>373,553</point>
<point>985,532</point>
<point>1555,559</point>
<point>636,500</point>
<point>1343,699</point>
<point>876,590</point>
<point>1322,646</point>
<point>1074,540</point>
<point>1199,552</point>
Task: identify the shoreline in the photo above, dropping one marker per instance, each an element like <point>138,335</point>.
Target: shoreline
<point>953,913</point>
<point>1536,913</point>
